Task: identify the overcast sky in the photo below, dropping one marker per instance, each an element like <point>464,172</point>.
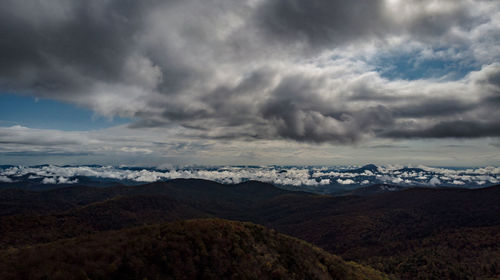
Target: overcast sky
<point>324,82</point>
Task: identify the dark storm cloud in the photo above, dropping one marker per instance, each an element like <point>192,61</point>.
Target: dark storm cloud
<point>437,22</point>
<point>452,117</point>
<point>490,79</point>
<point>292,122</point>
<point>494,79</point>
<point>389,147</point>
<point>58,47</point>
<point>433,107</point>
<point>223,69</point>
<point>238,101</point>
<point>319,22</point>
<point>447,129</point>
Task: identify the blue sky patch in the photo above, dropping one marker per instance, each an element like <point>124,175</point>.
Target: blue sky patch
<point>50,114</point>
<point>408,66</point>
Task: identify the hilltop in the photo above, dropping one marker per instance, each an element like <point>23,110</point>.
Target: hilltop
<point>193,249</point>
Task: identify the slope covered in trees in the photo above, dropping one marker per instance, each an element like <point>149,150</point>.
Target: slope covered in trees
<point>193,249</point>
<point>413,234</point>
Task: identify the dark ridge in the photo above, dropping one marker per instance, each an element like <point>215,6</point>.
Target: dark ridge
<point>410,169</point>
<point>369,167</point>
<point>194,249</point>
<point>373,189</point>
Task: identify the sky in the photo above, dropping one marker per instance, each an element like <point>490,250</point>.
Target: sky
<point>221,82</point>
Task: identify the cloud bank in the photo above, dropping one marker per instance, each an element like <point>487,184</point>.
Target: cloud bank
<point>308,71</point>
<point>317,177</point>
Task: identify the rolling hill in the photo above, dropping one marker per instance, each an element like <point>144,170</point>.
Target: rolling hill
<point>193,249</point>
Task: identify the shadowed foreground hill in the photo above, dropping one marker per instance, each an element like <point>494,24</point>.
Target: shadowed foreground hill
<point>193,249</point>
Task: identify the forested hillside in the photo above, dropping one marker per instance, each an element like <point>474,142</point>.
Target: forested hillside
<point>193,249</point>
<point>421,233</point>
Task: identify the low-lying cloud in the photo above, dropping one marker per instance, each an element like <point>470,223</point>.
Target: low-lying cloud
<point>283,176</point>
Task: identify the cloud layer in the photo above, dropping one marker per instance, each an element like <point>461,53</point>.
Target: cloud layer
<point>308,71</point>
<point>318,177</point>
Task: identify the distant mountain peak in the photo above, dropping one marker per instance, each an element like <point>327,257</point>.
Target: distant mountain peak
<point>371,167</point>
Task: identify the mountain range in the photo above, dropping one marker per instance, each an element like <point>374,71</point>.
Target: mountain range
<point>315,179</point>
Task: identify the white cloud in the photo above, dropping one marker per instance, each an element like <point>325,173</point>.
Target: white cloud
<point>294,176</point>
<point>434,181</point>
<point>5,179</point>
<point>63,180</point>
<point>397,180</point>
<point>49,180</point>
<point>346,181</point>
